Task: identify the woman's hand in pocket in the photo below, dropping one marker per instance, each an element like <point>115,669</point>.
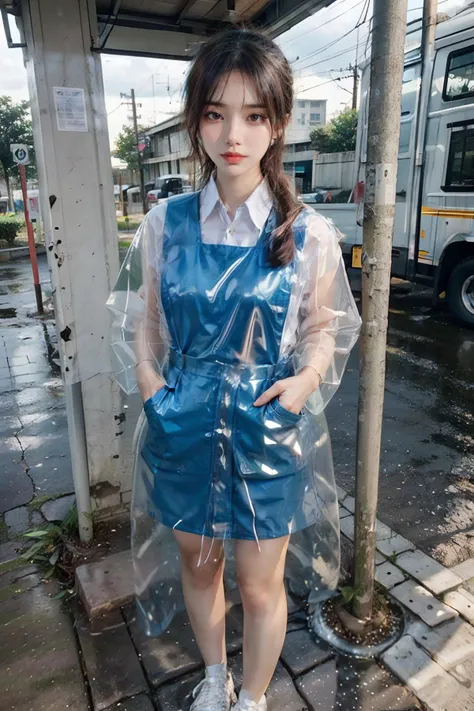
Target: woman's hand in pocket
<point>293,392</point>
<point>148,380</point>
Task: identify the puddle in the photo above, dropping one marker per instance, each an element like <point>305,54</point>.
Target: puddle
<point>7,313</point>
<point>15,288</point>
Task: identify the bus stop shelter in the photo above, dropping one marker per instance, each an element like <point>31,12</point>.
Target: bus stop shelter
<point>62,42</point>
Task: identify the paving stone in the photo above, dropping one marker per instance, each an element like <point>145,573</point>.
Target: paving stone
<point>379,558</point>
<point>58,509</point>
<point>347,527</point>
<point>428,680</point>
<point>302,651</point>
<point>388,575</point>
<point>15,574</point>
<point>451,645</point>
<point>463,602</point>
<point>422,603</point>
<point>39,662</point>
<point>18,360</point>
<point>465,570</point>
<point>17,520</point>
<point>175,652</point>
<point>341,494</point>
<point>106,584</point>
<point>428,571</point>
<point>346,684</point>
<point>137,703</point>
<point>390,542</point>
<point>8,551</point>
<point>349,503</point>
<point>112,665</point>
<point>319,686</point>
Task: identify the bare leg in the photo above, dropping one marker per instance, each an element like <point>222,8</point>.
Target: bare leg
<point>204,593</point>
<point>260,576</point>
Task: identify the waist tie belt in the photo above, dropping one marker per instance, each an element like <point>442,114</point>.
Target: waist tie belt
<point>216,368</point>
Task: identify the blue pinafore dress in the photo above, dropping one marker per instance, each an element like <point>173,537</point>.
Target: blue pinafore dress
<point>216,465</point>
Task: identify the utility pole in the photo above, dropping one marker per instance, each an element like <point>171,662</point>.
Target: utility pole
<point>140,167</point>
<point>355,88</point>
<point>388,42</point>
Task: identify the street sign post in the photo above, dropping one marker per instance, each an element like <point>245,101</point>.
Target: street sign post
<point>22,158</point>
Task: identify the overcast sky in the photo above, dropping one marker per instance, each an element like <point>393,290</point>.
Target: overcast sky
<point>331,55</point>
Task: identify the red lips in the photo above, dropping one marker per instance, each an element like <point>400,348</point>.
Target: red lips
<point>233,157</point>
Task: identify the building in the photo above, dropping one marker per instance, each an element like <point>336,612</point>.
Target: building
<point>308,114</point>
<point>121,172</point>
<point>298,164</point>
<point>167,150</point>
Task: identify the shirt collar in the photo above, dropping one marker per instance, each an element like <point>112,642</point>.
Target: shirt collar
<point>258,204</point>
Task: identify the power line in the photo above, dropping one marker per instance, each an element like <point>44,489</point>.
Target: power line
<point>331,44</point>
<point>332,56</point>
<point>316,86</point>
<point>441,2</point>
<point>318,27</point>
<point>117,107</point>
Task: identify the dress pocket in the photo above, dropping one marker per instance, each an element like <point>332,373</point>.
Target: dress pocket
<point>154,405</point>
<point>283,413</point>
<point>155,399</point>
<point>269,441</point>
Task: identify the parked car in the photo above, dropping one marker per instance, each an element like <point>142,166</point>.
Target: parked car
<point>165,186</point>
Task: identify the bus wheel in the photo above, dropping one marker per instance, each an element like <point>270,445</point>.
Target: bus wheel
<point>460,294</point>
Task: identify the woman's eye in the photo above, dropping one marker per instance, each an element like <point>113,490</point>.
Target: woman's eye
<point>212,115</point>
<point>257,118</point>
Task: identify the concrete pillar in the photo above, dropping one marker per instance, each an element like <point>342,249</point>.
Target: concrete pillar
<point>79,215</point>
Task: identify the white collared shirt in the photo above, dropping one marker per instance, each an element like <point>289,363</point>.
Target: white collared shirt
<point>244,230</point>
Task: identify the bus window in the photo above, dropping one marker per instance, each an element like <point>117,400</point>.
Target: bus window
<point>459,80</point>
<point>410,88</point>
<point>460,170</point>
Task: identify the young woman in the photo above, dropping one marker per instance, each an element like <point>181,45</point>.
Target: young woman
<point>235,312</point>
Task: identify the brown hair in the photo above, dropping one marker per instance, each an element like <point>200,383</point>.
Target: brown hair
<point>258,58</point>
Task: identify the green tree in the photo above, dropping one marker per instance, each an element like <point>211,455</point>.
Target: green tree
<point>339,135</point>
<point>15,127</point>
<point>126,147</point>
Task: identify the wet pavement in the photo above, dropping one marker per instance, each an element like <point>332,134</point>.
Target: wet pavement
<point>34,446</point>
<point>427,466</point>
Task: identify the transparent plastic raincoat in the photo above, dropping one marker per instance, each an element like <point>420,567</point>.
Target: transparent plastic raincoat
<point>220,326</point>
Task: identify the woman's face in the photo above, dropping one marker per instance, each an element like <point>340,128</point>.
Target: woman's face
<point>235,131</point>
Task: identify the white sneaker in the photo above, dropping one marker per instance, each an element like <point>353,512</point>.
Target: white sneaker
<point>214,693</point>
<point>247,705</point>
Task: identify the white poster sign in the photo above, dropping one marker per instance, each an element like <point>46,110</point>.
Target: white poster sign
<point>70,109</point>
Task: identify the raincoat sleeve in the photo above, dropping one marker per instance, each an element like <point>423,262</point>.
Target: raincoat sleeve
<point>139,329</point>
<point>329,321</point>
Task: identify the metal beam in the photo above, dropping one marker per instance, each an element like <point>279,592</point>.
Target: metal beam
<point>109,24</point>
<point>281,16</point>
<point>187,5</point>
<point>145,21</point>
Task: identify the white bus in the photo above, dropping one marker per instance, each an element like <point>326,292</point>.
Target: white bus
<point>434,218</point>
